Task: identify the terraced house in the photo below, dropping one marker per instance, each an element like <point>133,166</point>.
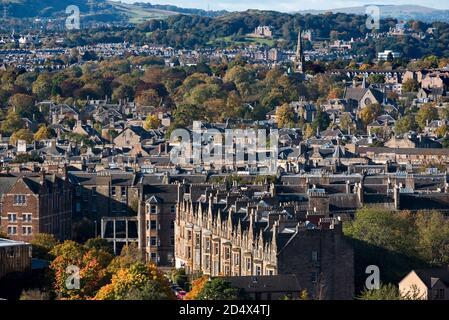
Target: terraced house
<point>248,232</point>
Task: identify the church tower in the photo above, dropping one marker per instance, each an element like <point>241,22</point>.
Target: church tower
<point>299,57</point>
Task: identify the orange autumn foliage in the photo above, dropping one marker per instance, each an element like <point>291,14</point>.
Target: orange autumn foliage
<point>197,287</point>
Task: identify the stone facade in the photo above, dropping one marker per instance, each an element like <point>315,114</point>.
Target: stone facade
<point>32,205</point>
<point>242,233</point>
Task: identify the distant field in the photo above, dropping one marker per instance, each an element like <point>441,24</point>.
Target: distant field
<point>138,14</point>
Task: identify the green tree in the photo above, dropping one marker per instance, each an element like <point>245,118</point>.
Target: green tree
<point>346,123</point>
<point>405,124</point>
<point>321,121</point>
<point>12,123</point>
<point>179,277</point>
<point>376,78</point>
<point>426,114</point>
<point>22,134</point>
<point>42,87</point>
<point>123,92</point>
<point>152,290</point>
<point>385,292</point>
<point>42,244</point>
<point>433,233</point>
<point>391,230</point>
<point>219,289</point>
<point>23,104</point>
<point>99,244</point>
<point>410,85</point>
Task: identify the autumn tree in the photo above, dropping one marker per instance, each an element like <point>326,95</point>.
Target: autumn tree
<point>71,256</point>
<point>308,131</point>
<point>152,122</point>
<point>370,113</point>
<point>43,133</point>
<point>442,131</point>
<point>129,255</point>
<point>135,281</point>
<point>22,134</point>
<point>148,98</point>
<point>335,93</point>
<point>285,116</point>
<point>197,287</point>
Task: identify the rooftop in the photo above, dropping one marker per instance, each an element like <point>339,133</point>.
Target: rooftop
<point>10,243</point>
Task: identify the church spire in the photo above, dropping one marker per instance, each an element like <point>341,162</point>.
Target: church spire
<point>299,57</point>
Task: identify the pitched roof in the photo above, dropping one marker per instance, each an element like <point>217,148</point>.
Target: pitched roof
<point>355,93</point>
<point>428,276</point>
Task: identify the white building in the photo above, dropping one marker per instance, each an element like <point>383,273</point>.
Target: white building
<point>384,55</point>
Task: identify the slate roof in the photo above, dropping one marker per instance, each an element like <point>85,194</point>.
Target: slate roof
<point>428,276</point>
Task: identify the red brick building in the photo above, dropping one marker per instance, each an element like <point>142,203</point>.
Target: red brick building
<point>35,204</point>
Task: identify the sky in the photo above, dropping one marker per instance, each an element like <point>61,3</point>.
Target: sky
<point>288,5</point>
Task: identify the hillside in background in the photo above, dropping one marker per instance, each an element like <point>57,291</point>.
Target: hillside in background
<point>115,10</point>
<point>401,12</point>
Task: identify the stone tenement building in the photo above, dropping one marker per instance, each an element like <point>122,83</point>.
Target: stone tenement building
<point>35,204</point>
<point>157,213</point>
<point>105,204</point>
<point>248,232</point>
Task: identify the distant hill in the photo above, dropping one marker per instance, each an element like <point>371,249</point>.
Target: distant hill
<point>137,12</point>
<point>402,12</point>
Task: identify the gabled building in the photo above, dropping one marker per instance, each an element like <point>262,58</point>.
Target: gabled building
<point>241,233</point>
<point>35,204</point>
<point>426,284</point>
